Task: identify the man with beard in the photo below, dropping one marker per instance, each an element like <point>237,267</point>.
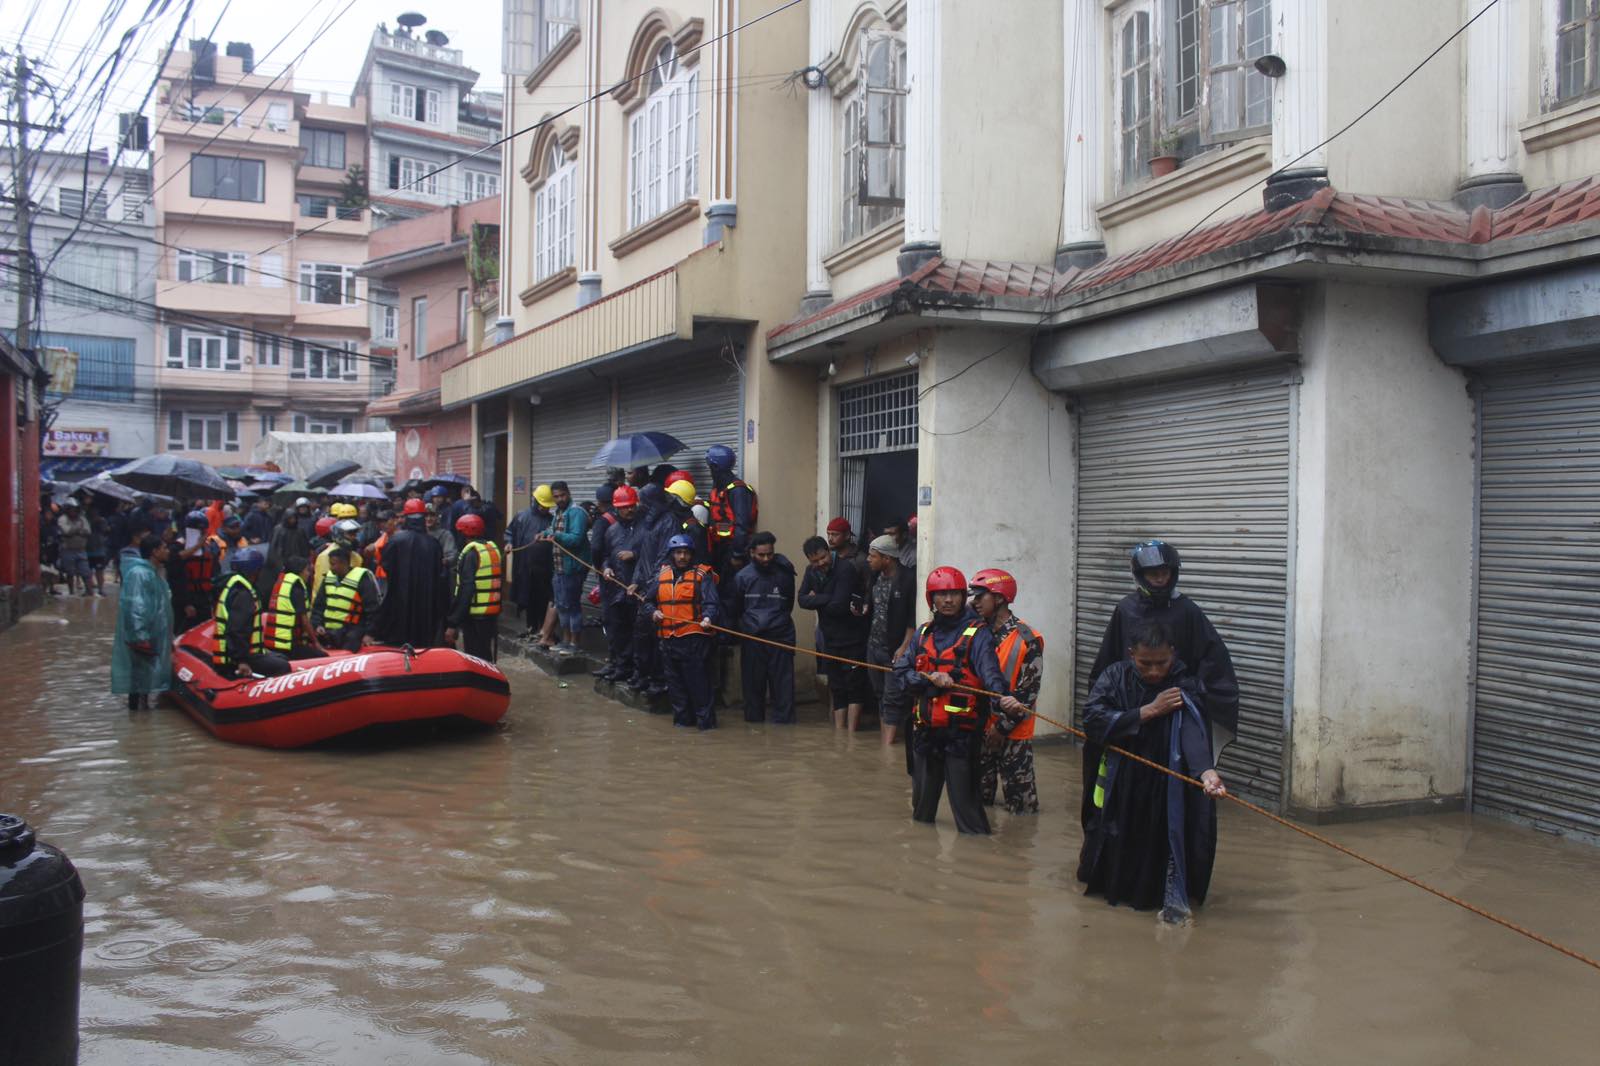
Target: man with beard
<point>619,559</point>
<point>760,602</point>
<point>656,523</point>
<point>1155,565</point>
<point>413,599</point>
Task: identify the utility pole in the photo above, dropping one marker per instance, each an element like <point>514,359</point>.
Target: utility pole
<point>19,183</point>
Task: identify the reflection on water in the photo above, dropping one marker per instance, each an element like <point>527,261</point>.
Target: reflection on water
<point>588,885</point>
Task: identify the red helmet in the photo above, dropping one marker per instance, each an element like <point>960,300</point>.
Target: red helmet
<point>325,525</point>
<point>998,582</point>
<point>414,507</point>
<point>625,496</point>
<point>470,524</point>
<point>677,476</point>
<point>944,579</point>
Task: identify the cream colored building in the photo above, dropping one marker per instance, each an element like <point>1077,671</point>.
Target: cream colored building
<point>264,323</point>
<point>1350,373</point>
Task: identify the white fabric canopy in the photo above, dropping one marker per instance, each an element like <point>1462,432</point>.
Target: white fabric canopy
<point>302,453</point>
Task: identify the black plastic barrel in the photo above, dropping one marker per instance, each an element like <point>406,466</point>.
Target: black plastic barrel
<point>41,942</point>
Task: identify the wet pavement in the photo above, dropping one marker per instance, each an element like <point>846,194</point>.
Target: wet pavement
<point>589,885</point>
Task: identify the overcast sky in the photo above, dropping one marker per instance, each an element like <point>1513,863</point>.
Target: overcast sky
<point>331,64</point>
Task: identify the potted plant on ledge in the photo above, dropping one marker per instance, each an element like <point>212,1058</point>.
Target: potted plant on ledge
<point>1164,158</point>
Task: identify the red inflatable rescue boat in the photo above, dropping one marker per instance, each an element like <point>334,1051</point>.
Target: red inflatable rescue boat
<point>334,695</point>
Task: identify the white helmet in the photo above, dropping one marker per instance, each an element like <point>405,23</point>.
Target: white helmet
<point>346,529</point>
<point>302,502</point>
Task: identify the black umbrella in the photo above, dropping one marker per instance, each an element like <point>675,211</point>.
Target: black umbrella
<point>638,449</point>
<point>106,487</point>
<point>172,475</point>
<point>449,481</point>
<point>330,475</point>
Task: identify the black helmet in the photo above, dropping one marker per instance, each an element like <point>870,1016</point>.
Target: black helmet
<point>1148,555</point>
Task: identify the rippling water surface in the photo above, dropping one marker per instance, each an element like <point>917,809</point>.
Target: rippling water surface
<point>588,885</point>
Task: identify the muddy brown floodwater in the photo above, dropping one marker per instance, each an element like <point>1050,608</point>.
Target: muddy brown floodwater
<point>588,885</point>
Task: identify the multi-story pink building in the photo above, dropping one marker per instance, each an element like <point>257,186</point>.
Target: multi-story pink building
<point>264,322</point>
<point>441,268</point>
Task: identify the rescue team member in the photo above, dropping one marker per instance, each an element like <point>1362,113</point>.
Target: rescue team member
<point>199,573</point>
<point>345,532</point>
<point>735,510</point>
<point>685,593</point>
<point>618,558</point>
<point>346,602</point>
<point>1008,744</point>
<point>1152,842</point>
<point>1155,565</point>
<point>413,594</point>
<point>227,541</point>
<point>286,615</point>
<point>324,535</point>
<point>761,602</point>
<point>680,502</point>
<point>953,652</point>
<point>480,579</point>
<point>655,529</point>
<point>237,650</point>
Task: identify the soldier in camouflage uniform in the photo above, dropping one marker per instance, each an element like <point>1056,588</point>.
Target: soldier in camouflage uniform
<point>1008,746</point>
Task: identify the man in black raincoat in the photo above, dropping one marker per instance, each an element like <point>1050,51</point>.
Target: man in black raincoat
<point>1153,838</point>
<point>414,602</point>
<point>1155,565</point>
<point>655,523</point>
<point>531,559</point>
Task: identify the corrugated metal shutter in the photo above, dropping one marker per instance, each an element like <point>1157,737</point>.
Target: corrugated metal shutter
<point>697,401</point>
<point>1204,465</point>
<point>1536,733</point>
<point>567,430</point>
<point>456,459</point>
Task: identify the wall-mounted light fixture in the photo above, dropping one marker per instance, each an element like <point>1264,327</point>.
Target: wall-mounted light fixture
<point>1271,66</point>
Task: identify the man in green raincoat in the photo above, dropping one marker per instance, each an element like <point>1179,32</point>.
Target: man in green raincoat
<point>141,660</point>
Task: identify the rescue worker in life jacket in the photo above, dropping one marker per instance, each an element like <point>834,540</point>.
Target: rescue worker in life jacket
<point>1008,744</point>
<point>237,650</point>
<point>480,578</point>
<point>199,573</point>
<point>346,603</point>
<point>685,594</point>
<point>286,614</point>
<point>951,655</point>
<point>734,510</point>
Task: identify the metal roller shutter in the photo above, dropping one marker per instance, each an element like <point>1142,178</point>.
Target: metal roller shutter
<point>567,430</point>
<point>698,401</point>
<point>1536,731</point>
<point>456,459</point>
<point>1204,465</point>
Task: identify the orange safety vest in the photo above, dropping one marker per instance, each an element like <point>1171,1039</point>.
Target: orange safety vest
<point>199,569</point>
<point>949,706</point>
<point>1013,649</point>
<point>723,521</point>
<point>678,600</point>
<point>377,555</point>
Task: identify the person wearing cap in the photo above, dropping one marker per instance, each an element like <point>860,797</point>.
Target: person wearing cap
<point>569,532</point>
<point>905,537</point>
<point>1008,742</point>
<point>237,649</point>
<point>686,607</point>
<point>830,587</point>
<point>438,528</point>
<point>302,507</point>
<point>891,623</point>
<point>73,562</point>
<point>531,559</point>
<point>655,525</point>
<point>414,592</point>
<point>230,538</point>
<point>619,560</point>
<point>479,582</point>
<point>760,603</point>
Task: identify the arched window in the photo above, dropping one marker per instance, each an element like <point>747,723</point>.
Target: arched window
<point>663,139</point>
<point>554,216</point>
<point>872,175</point>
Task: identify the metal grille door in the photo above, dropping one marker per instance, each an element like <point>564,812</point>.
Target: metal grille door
<point>878,416</point>
<point>567,430</point>
<point>697,400</point>
<point>1204,465</point>
<point>1536,732</point>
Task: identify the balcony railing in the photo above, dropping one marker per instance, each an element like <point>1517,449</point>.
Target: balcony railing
<point>417,47</point>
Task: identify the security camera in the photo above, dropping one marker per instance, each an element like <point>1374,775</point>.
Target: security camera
<point>914,359</point>
<point>534,399</point>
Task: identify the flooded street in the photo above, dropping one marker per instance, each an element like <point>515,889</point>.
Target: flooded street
<point>589,885</point>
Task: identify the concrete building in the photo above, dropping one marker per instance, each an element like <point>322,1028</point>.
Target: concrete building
<point>644,249</point>
<point>424,114</point>
<point>264,322</point>
<point>443,282</point>
<point>1350,373</point>
<point>94,239</point>
<point>22,382</point>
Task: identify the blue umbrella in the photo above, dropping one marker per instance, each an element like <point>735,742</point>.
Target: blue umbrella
<point>358,490</point>
<point>638,449</point>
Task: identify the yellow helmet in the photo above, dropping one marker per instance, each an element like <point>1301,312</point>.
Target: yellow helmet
<point>544,497</point>
<point>343,510</point>
<point>683,490</point>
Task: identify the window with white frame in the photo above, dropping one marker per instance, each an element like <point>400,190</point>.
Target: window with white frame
<point>269,351</point>
<point>1577,49</point>
<point>557,18</point>
<point>220,178</point>
<point>327,283</point>
<point>415,103</point>
<point>323,148</point>
<point>268,424</point>
<point>197,432</point>
<point>872,164</point>
<point>200,349</point>
<point>480,184</point>
<point>1185,77</point>
<point>212,268</point>
<point>322,362</point>
<point>323,424</point>
<point>554,215</point>
<point>135,195</point>
<point>76,203</point>
<point>419,327</point>
<point>388,323</point>
<point>463,306</point>
<point>413,175</point>
<point>278,117</point>
<point>663,140</point>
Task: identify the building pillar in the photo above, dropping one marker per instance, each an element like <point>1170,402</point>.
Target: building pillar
<point>924,99</point>
<point>819,161</point>
<point>723,212</point>
<point>519,453</point>
<point>1493,74</point>
<point>589,201</point>
<point>1299,103</point>
<point>1081,241</point>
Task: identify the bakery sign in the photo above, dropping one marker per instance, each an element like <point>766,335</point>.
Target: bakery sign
<point>77,442</point>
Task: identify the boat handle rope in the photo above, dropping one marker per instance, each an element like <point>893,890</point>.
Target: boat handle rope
<point>1310,834</point>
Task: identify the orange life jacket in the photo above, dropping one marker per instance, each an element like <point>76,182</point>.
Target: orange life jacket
<point>678,599</point>
<point>723,521</point>
<point>1013,649</point>
<point>950,707</point>
<point>199,569</point>
<point>377,555</point>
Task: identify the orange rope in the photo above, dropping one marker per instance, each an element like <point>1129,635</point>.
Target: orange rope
<point>1246,804</point>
